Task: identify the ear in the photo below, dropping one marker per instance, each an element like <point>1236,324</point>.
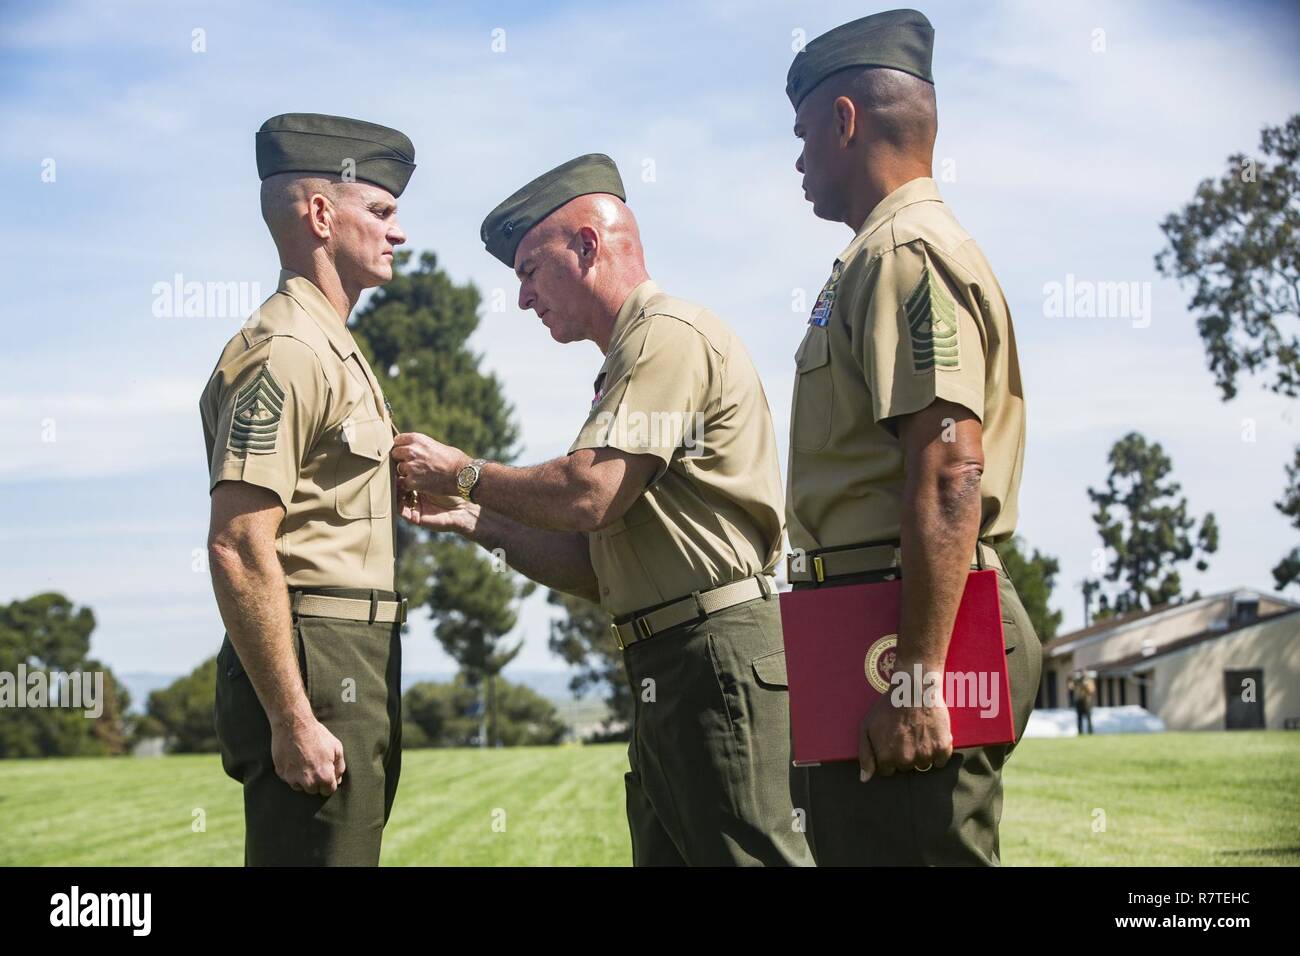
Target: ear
<point>320,215</point>
<point>846,120</point>
<point>588,242</point>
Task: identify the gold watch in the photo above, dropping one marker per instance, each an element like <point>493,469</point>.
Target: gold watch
<point>468,476</point>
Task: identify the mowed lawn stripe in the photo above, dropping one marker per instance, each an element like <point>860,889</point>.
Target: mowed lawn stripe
<point>557,810</point>
<point>1166,799</point>
<point>1175,799</point>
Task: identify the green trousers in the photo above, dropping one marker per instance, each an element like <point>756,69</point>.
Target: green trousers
<point>945,817</point>
<point>710,752</point>
<point>352,672</point>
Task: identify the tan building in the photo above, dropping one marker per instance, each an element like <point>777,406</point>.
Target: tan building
<point>1227,661</point>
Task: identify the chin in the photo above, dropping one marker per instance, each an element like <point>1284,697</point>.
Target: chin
<point>821,212</point>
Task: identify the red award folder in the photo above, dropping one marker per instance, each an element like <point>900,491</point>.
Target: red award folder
<point>839,653</point>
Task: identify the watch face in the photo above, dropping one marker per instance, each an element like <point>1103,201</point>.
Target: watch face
<point>465,475</point>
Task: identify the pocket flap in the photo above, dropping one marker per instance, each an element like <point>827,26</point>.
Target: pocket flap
<point>814,350</point>
<point>770,670</point>
<point>370,439</point>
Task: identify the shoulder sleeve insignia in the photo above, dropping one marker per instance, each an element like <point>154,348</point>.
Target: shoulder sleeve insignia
<point>258,407</point>
<point>932,323</point>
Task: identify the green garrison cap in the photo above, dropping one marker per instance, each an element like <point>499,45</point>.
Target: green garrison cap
<point>897,39</point>
<point>316,143</point>
<point>507,224</point>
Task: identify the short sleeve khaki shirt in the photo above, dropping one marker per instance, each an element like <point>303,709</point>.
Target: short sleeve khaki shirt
<point>911,313</point>
<point>294,407</point>
<point>679,385</point>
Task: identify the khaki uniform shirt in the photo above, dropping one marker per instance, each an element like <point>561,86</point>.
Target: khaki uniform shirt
<point>679,385</point>
<point>294,407</point>
<point>911,313</point>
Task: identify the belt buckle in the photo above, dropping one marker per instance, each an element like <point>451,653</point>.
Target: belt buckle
<point>401,611</point>
<point>618,637</point>
<point>819,569</point>
<point>642,626</point>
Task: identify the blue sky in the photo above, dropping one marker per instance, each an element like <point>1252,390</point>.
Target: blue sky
<point>1061,161</point>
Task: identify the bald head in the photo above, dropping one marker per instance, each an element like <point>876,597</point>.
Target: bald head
<point>342,234</point>
<point>578,265</point>
<point>606,216</point>
<point>286,198</point>
<point>899,109</point>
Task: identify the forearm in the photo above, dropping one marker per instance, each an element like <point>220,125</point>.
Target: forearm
<point>556,559</point>
<point>552,496</point>
<point>941,517</point>
<point>254,602</point>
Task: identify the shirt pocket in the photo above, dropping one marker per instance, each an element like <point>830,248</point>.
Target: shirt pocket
<point>814,392</point>
<point>361,491</point>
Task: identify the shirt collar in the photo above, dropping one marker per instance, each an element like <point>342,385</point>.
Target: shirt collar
<point>630,309</point>
<point>306,293</point>
<point>921,189</point>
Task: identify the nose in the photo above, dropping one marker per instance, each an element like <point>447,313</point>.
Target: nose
<point>396,234</point>
<point>798,163</point>
<point>526,297</point>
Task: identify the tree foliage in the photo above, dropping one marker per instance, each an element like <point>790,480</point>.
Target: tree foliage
<point>46,633</point>
<point>1034,577</point>
<point>448,715</point>
<point>1146,530</point>
<point>583,639</point>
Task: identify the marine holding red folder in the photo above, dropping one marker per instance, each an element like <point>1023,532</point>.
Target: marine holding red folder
<point>912,663</point>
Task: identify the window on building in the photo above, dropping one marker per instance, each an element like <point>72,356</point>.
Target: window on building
<point>1245,611</point>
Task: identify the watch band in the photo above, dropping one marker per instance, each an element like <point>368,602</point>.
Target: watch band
<point>466,489</point>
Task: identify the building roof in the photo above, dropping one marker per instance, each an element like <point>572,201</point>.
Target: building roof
<point>1132,661</point>
<point>1104,629</point>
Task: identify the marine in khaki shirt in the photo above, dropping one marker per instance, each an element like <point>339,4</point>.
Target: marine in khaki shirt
<point>666,510</point>
<point>294,407</point>
<point>676,384</point>
<point>301,540</point>
<point>907,438</point>
<point>911,313</point>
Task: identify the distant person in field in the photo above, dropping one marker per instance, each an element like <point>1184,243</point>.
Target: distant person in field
<point>1084,689</point>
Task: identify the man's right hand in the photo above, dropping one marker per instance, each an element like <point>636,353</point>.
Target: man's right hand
<point>441,512</point>
<point>307,756</point>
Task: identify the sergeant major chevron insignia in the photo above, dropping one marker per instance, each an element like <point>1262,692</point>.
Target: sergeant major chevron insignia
<point>257,414</point>
<point>932,324</point>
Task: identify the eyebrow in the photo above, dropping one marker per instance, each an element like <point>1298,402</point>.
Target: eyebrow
<point>381,205</point>
<point>523,267</point>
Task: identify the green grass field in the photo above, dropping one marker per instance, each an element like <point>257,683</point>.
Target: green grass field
<point>1177,799</point>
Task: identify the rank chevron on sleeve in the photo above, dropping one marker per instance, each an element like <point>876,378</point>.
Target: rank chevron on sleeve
<point>932,322</point>
<point>257,414</point>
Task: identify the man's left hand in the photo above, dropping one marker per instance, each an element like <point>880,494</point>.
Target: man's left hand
<point>898,739</point>
<point>425,465</point>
